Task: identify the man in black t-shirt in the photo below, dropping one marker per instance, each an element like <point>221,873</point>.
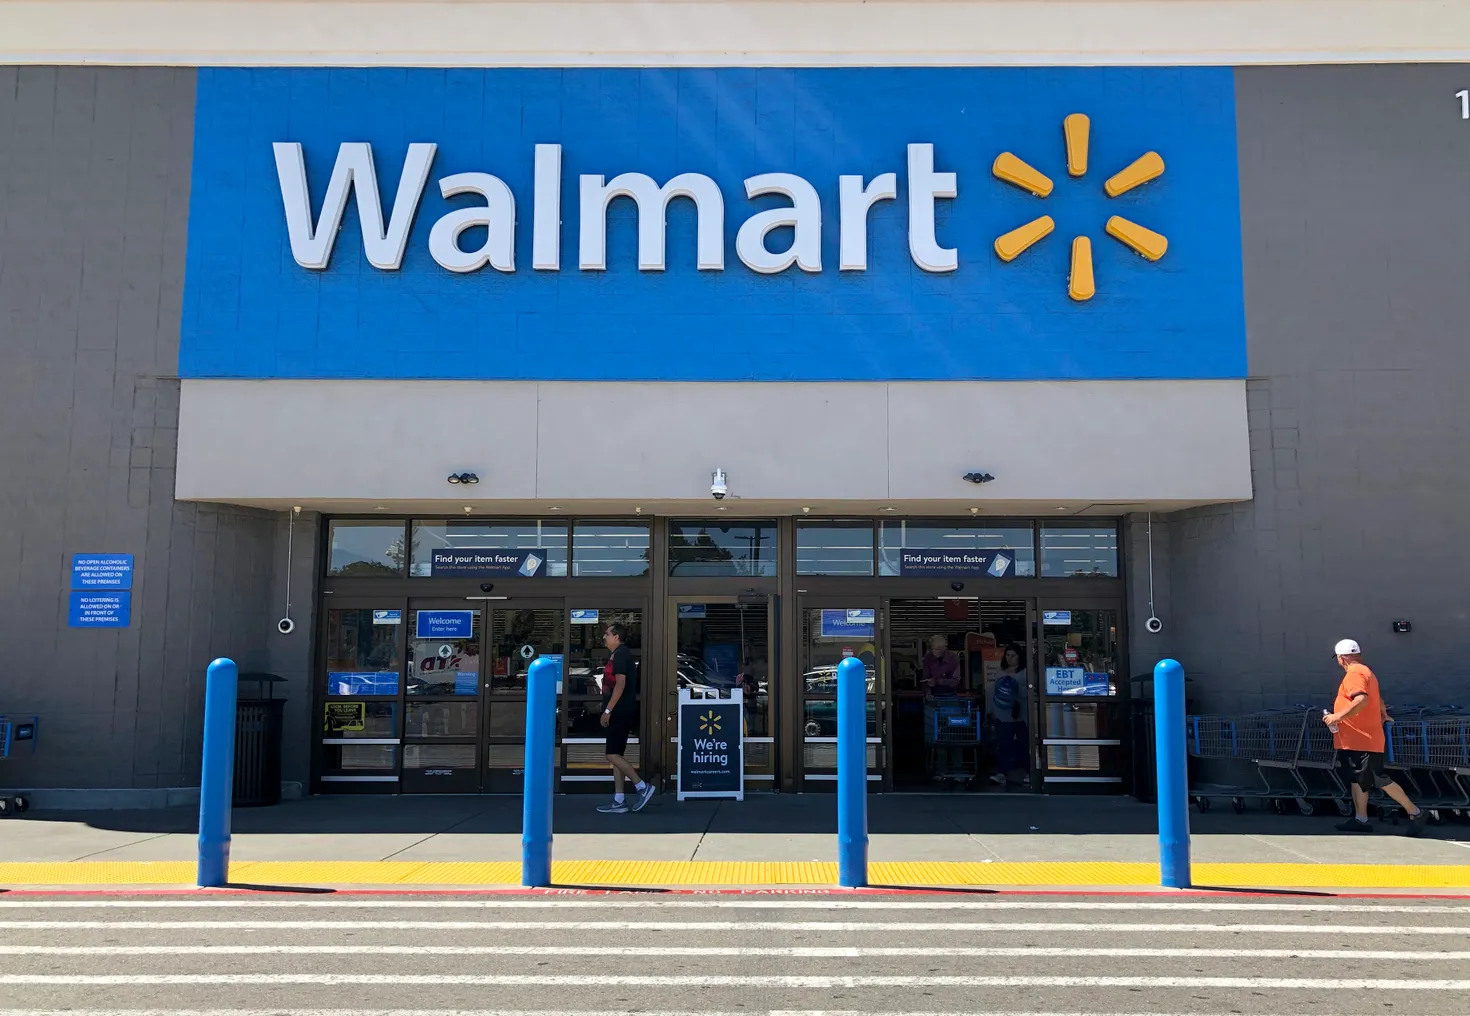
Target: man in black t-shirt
<point>619,713</point>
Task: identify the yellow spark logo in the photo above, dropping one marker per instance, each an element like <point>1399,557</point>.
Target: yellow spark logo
<point>1080,285</point>
<point>709,723</point>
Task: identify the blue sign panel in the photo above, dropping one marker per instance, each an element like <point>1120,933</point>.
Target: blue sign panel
<point>470,563</point>
<point>928,280</point>
<point>100,610</point>
<point>848,624</point>
<point>1056,617</point>
<point>584,617</point>
<point>387,617</point>
<point>102,571</point>
<point>444,624</point>
<point>994,563</point>
<point>692,612</point>
<point>378,682</point>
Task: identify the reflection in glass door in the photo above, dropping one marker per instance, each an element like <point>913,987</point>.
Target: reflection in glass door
<point>722,645</point>
<point>583,737</point>
<point>359,733</point>
<point>829,635</point>
<point>519,634</point>
<point>1082,718</point>
<point>442,699</point>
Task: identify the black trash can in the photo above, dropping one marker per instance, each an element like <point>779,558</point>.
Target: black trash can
<point>258,743</point>
<point>1145,768</point>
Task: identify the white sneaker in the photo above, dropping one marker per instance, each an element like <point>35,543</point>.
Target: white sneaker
<point>614,808</point>
<point>643,796</point>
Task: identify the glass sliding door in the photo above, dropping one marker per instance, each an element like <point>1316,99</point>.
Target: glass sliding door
<point>830,633</point>
<point>519,633</point>
<point>584,764</point>
<point>360,725</point>
<point>1083,715</point>
<point>442,698</point>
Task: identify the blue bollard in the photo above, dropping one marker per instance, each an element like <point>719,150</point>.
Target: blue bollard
<point>1173,769</point>
<point>217,773</point>
<point>852,773</point>
<point>541,683</point>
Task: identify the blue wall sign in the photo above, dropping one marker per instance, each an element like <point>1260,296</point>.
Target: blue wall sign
<point>387,617</point>
<point>692,611</point>
<point>470,563</point>
<point>100,610</point>
<point>102,571</point>
<point>1063,617</point>
<point>848,624</point>
<point>994,563</point>
<point>444,624</point>
<point>874,308</point>
<point>584,617</point>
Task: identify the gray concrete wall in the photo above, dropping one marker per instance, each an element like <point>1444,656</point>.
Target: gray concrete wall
<point>94,202</point>
<point>1356,221</point>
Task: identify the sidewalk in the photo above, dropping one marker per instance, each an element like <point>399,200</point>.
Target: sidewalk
<point>916,840</point>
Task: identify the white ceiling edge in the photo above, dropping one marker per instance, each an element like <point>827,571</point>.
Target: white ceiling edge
<point>690,33</point>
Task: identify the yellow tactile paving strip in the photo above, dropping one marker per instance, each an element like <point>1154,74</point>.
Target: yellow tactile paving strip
<point>739,873</point>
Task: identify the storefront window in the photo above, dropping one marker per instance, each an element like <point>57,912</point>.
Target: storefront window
<point>600,550</point>
<point>453,549</point>
<point>834,548</point>
<point>705,549</point>
<point>918,549</point>
<point>1087,550</point>
<point>365,548</point>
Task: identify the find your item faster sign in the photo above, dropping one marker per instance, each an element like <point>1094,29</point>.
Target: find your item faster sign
<point>711,746</point>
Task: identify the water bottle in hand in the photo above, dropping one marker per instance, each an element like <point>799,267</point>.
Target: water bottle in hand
<point>1331,726</point>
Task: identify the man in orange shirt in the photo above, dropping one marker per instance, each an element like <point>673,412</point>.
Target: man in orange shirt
<point>1356,721</point>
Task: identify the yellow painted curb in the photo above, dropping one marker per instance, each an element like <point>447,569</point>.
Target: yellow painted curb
<point>916,874</point>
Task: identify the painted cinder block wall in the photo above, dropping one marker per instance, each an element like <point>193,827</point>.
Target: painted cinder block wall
<point>94,198</point>
<point>1355,206</point>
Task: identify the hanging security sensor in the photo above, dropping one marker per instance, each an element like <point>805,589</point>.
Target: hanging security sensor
<point>718,485</point>
<point>1153,624</point>
<point>285,625</point>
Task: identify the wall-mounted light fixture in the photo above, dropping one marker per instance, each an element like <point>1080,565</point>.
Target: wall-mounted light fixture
<point>462,478</point>
<point>977,477</point>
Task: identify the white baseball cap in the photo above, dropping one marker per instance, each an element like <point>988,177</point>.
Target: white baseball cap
<point>1347,647</point>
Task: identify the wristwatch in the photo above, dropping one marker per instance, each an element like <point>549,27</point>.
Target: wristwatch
<point>607,712</point>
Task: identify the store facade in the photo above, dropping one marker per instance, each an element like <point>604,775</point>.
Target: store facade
<point>422,674</point>
<point>774,358</point>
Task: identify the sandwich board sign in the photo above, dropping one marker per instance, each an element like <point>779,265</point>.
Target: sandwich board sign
<point>711,744</point>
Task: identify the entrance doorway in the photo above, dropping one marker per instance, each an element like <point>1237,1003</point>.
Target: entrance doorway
<point>718,643</point>
<point>962,691</point>
<point>1083,717</point>
<point>464,718</point>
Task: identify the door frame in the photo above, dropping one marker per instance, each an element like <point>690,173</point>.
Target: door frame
<point>412,605</point>
<point>1122,700</point>
<point>669,681</point>
<point>574,783</point>
<point>881,780</point>
<point>488,697</point>
<point>319,698</point>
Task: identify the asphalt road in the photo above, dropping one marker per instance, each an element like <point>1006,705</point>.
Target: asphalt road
<point>725,954</point>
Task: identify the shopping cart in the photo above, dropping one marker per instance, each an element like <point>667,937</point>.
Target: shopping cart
<point>1273,756</point>
<point>1429,753</point>
<point>952,740</point>
<point>16,733</point>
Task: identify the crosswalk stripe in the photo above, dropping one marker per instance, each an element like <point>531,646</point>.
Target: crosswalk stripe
<point>825,981</point>
<point>686,926</point>
<point>715,903</point>
<point>817,952</point>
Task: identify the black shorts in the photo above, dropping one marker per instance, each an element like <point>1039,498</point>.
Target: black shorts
<point>1364,768</point>
<point>619,727</point>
